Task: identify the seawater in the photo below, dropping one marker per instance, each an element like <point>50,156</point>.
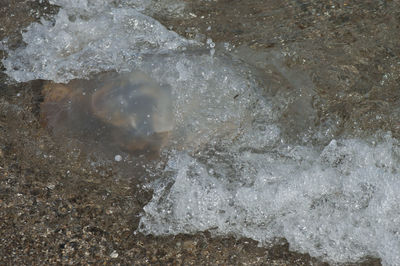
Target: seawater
<point>230,168</point>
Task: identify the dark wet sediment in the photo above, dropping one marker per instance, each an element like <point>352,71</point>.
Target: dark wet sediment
<point>58,206</point>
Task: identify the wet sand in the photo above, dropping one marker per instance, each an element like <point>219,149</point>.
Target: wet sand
<point>61,204</point>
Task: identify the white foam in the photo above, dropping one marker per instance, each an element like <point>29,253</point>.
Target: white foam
<point>339,202</point>
<point>98,38</point>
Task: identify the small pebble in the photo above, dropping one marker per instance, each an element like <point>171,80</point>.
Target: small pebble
<point>114,254</point>
<point>118,158</point>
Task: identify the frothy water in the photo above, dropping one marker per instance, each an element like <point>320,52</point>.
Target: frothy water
<point>341,203</point>
<point>88,37</point>
<point>230,167</point>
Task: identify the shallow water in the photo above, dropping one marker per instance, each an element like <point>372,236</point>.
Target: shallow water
<point>256,150</point>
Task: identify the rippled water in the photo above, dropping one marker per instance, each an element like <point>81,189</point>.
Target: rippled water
<point>242,159</point>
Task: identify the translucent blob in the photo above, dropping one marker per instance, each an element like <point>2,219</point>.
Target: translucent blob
<point>210,96</point>
<point>134,108</point>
